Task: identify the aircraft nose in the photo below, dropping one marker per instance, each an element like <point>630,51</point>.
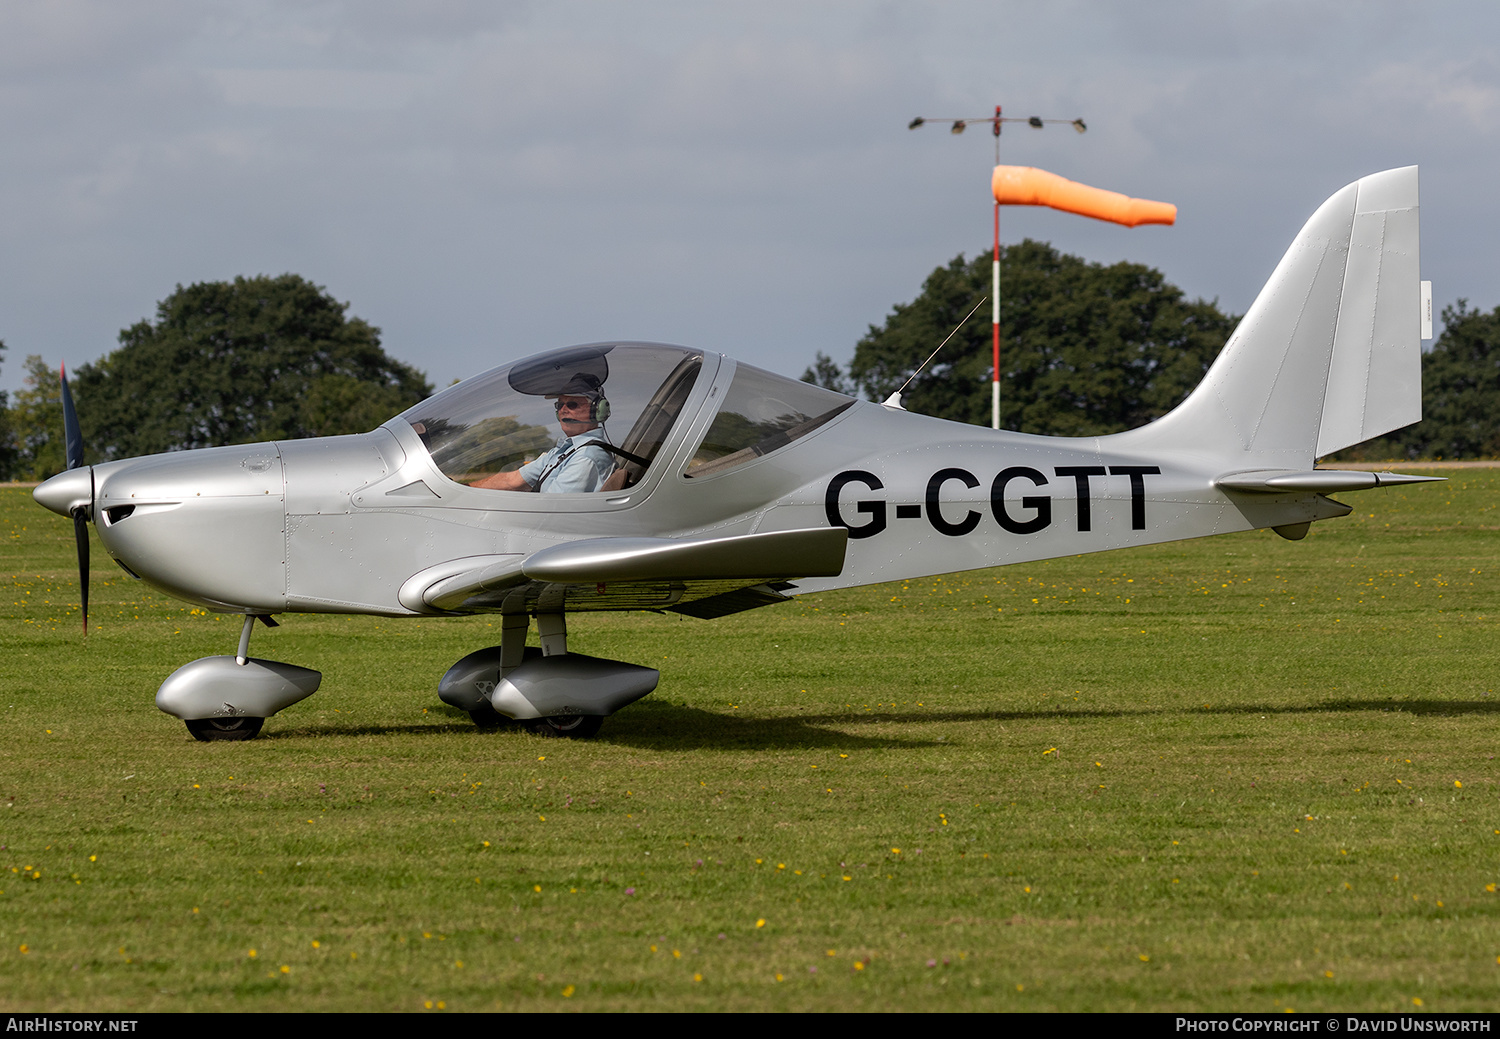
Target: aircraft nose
<point>207,526</point>
<point>67,491</point>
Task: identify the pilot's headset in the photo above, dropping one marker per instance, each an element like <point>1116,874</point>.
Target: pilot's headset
<point>598,407</point>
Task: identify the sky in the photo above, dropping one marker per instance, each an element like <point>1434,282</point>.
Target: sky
<point>485,180</point>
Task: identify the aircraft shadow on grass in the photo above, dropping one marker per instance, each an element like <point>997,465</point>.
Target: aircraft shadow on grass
<point>1341,706</point>
<point>669,727</point>
<point>666,726</point>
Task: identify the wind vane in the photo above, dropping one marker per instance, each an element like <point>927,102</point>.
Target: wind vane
<point>1029,186</point>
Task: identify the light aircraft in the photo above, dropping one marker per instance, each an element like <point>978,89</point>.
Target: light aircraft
<point>731,488</point>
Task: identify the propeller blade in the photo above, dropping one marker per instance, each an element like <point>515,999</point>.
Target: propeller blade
<point>74,440</point>
<point>81,533</point>
<point>73,434</point>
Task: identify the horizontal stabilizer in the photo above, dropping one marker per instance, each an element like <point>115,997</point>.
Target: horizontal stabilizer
<point>818,552</point>
<point>1319,481</point>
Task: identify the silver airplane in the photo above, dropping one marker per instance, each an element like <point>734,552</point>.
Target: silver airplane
<point>692,483</point>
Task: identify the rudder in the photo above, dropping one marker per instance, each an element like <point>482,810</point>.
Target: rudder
<point>1375,377</point>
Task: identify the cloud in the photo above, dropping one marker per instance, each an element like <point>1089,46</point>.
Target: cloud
<point>1464,94</point>
<point>480,178</point>
<point>337,89</point>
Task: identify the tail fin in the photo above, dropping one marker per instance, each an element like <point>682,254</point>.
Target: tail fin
<point>1329,354</point>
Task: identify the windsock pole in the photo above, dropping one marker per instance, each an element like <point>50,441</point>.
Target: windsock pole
<point>995,293</point>
<point>995,320</point>
<point>956,127</point>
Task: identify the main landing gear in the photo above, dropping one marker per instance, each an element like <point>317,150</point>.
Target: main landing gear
<point>210,730</point>
<point>549,690</point>
<point>229,698</point>
<point>572,727</point>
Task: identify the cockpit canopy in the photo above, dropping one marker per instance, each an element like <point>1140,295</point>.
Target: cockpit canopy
<point>499,421</point>
<point>761,412</point>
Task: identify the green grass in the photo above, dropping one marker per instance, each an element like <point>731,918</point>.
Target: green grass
<point>1221,774</point>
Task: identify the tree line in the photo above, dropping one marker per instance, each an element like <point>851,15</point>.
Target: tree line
<point>1087,349</point>
<point>265,358</point>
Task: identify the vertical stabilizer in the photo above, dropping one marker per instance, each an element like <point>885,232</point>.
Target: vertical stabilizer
<point>1329,353</point>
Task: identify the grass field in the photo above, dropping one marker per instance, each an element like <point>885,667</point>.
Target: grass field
<point>1238,773</point>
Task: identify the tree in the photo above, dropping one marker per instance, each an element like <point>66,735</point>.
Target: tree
<point>36,424</point>
<point>234,362</point>
<point>1086,349</point>
<point>825,372</point>
<point>1460,389</point>
<point>1460,393</point>
<point>8,451</point>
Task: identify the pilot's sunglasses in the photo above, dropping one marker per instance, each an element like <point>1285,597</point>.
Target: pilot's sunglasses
<point>558,405</point>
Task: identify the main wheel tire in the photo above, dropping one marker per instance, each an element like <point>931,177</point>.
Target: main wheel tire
<point>487,717</point>
<point>212,730</point>
<point>567,726</point>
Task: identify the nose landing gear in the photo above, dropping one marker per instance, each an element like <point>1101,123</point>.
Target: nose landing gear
<point>229,698</point>
<point>210,730</point>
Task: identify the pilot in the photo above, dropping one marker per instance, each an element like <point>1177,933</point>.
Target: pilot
<point>577,462</point>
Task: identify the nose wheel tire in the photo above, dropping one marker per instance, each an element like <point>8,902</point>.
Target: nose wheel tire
<point>212,730</point>
<point>567,726</point>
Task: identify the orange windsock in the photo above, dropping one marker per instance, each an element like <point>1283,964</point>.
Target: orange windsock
<point>1029,186</point>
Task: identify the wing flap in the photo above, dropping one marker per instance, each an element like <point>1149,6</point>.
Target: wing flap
<point>737,601</point>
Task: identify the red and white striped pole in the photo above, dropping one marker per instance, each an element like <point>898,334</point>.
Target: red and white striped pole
<point>957,126</point>
<point>995,294</point>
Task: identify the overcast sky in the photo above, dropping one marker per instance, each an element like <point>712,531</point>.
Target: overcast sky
<point>483,180</point>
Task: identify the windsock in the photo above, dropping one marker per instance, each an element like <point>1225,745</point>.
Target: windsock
<point>1029,186</point>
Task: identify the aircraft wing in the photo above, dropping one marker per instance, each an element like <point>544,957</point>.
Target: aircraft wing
<point>702,577</point>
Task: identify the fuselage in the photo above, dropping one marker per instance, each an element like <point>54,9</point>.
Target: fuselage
<point>343,524</point>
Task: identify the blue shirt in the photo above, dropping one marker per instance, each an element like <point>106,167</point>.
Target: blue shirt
<point>585,469</point>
